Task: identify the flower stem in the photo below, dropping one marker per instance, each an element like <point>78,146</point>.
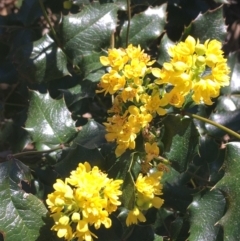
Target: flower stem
<point>229,131</point>
<point>36,152</point>
<point>50,25</point>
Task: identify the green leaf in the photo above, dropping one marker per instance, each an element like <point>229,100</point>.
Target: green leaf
<point>163,55</point>
<point>209,25</point>
<point>88,31</point>
<point>21,213</point>
<point>234,65</point>
<point>229,119</point>
<point>180,141</point>
<point>41,61</point>
<point>230,185</point>
<point>49,120</point>
<point>157,238</point>
<point>91,136</point>
<point>76,155</point>
<point>205,211</point>
<point>145,27</point>
<point>93,69</point>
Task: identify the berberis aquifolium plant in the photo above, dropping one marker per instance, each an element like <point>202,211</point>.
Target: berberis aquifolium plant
<point>119,121</point>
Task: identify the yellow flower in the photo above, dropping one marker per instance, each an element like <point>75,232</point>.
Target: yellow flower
<point>111,82</point>
<point>151,150</point>
<point>175,98</point>
<point>194,68</point>
<point>147,187</point>
<point>154,104</point>
<point>92,198</point>
<point>117,58</point>
<point>135,69</point>
<point>135,216</point>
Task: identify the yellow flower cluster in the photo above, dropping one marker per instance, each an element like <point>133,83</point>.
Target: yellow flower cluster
<point>147,187</point>
<point>199,69</point>
<point>195,69</point>
<point>86,198</point>
<point>134,104</point>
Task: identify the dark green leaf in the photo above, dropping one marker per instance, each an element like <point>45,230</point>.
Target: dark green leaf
<point>209,25</point>
<point>234,65</point>
<point>41,61</point>
<point>76,155</point>
<point>205,211</point>
<point>21,214</point>
<point>180,141</point>
<point>145,27</point>
<point>230,185</point>
<point>228,119</point>
<point>91,136</point>
<point>88,31</point>
<point>49,120</point>
<point>92,66</point>
<point>228,103</point>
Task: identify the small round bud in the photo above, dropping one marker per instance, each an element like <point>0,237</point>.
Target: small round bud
<point>200,49</point>
<point>200,60</point>
<point>75,217</point>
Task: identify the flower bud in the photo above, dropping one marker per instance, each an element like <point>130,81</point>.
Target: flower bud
<point>75,217</point>
<point>200,49</point>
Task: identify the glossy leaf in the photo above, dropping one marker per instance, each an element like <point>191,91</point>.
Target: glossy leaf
<point>226,118</point>
<point>179,141</point>
<point>209,25</point>
<point>205,211</point>
<point>21,214</point>
<point>230,185</point>
<point>91,136</point>
<point>234,65</point>
<point>76,155</point>
<point>88,31</point>
<point>146,26</point>
<point>49,120</point>
<point>41,61</point>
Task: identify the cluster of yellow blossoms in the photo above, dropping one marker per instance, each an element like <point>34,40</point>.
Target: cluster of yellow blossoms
<point>195,69</point>
<point>146,189</point>
<point>88,196</point>
<point>85,199</point>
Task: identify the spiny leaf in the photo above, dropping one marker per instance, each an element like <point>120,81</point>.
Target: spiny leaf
<point>49,120</point>
<point>88,31</point>
<point>209,25</point>
<point>21,214</point>
<point>230,185</point>
<point>205,210</point>
<point>146,26</point>
<point>41,60</point>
